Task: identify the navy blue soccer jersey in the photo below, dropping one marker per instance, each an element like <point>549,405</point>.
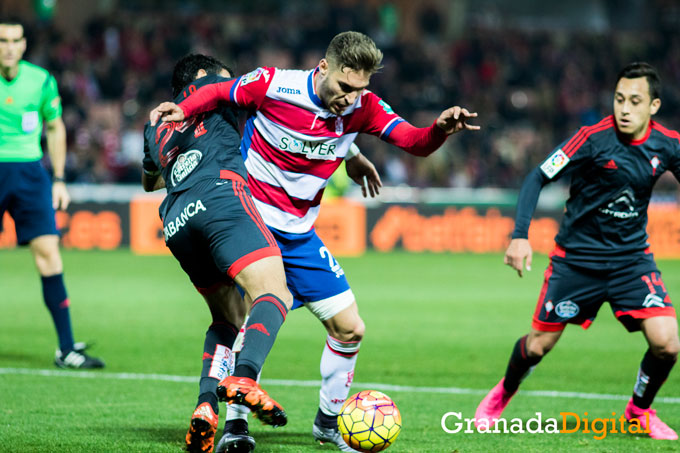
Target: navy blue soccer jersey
<point>611,185</point>
<point>185,153</point>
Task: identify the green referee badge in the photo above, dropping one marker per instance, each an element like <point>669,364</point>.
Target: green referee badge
<point>29,121</point>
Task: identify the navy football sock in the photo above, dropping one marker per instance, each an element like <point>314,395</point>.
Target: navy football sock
<point>217,360</point>
<point>266,317</point>
<point>519,366</point>
<point>651,376</point>
<point>54,294</point>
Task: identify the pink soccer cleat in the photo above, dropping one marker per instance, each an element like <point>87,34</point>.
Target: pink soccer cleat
<point>492,405</point>
<point>657,429</point>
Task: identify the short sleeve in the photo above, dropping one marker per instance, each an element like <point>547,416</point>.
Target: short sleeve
<point>50,103</point>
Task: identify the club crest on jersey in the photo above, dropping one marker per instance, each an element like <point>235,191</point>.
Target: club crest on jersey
<point>555,163</point>
<point>566,309</point>
<point>339,127</point>
<point>185,164</point>
<point>654,162</point>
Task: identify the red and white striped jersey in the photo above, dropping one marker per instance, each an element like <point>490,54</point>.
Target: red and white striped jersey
<point>292,144</point>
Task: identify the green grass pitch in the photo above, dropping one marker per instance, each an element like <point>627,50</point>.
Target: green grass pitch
<point>438,321</point>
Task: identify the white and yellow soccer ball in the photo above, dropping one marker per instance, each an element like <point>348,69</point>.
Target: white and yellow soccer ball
<point>369,421</point>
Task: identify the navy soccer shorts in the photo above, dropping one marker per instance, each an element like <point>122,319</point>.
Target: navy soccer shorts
<point>26,193</point>
<point>215,231</point>
<point>575,289</point>
<point>314,277</point>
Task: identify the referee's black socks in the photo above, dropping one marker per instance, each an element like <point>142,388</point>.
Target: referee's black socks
<point>266,316</point>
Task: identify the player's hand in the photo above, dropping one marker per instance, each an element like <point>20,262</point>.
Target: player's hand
<point>363,172</point>
<point>167,111</point>
<point>60,196</point>
<point>517,252</point>
<point>456,119</point>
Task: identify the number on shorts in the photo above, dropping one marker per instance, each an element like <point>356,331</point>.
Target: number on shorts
<point>332,263</point>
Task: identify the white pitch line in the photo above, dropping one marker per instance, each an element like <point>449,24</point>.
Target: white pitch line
<point>300,383</point>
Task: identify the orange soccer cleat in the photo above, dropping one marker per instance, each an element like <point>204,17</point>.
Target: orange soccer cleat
<point>201,434</point>
<point>245,391</point>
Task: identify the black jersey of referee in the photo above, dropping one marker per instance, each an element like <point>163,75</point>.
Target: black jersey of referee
<point>611,185</point>
<point>206,146</point>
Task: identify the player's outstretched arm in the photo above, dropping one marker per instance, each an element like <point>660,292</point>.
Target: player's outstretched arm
<point>166,111</point>
<point>518,251</point>
<point>363,172</point>
<point>456,119</point>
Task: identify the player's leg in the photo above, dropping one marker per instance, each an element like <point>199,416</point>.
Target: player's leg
<point>526,354</point>
<point>195,243</point>
<point>339,357</point>
<point>236,436</point>
<point>662,336</point>
<point>227,312</point>
<point>245,250</point>
<point>265,284</point>
<point>640,301</point>
<point>35,225</point>
<point>569,295</point>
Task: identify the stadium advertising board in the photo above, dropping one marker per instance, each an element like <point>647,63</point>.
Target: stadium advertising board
<point>349,228</point>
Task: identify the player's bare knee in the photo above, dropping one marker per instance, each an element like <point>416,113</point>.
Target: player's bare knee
<point>667,350</point>
<point>348,331</point>
<point>540,345</point>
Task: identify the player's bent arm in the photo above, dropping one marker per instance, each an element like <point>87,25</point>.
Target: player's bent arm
<point>527,201</point>
<point>152,181</point>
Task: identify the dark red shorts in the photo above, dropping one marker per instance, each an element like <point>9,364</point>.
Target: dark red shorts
<point>575,289</point>
<point>215,231</point>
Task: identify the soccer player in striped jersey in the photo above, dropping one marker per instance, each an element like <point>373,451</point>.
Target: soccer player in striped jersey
<point>301,127</point>
<point>29,98</point>
<point>602,252</point>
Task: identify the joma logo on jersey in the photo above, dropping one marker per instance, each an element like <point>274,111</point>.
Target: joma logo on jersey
<point>284,90</point>
<point>189,211</point>
<point>313,150</point>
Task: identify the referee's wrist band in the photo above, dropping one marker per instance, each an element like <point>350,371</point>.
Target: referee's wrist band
<point>58,179</point>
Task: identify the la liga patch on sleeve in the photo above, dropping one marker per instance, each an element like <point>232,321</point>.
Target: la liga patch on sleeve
<point>555,163</point>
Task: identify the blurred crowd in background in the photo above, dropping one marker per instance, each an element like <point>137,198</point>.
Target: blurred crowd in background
<point>531,87</point>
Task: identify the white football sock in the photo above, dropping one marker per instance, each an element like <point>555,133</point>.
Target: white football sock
<point>337,372</point>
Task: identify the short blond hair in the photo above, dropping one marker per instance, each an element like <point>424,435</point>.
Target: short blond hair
<point>354,50</point>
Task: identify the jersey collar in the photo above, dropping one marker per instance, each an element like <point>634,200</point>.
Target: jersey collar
<point>311,89</point>
<point>637,142</point>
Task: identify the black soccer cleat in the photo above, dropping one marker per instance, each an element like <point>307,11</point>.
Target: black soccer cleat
<point>77,359</point>
<point>236,438</point>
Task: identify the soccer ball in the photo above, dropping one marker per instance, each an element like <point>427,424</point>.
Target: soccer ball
<point>369,421</point>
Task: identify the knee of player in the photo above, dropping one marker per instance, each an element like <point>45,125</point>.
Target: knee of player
<point>538,348</point>
<point>349,332</point>
<point>667,350</point>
